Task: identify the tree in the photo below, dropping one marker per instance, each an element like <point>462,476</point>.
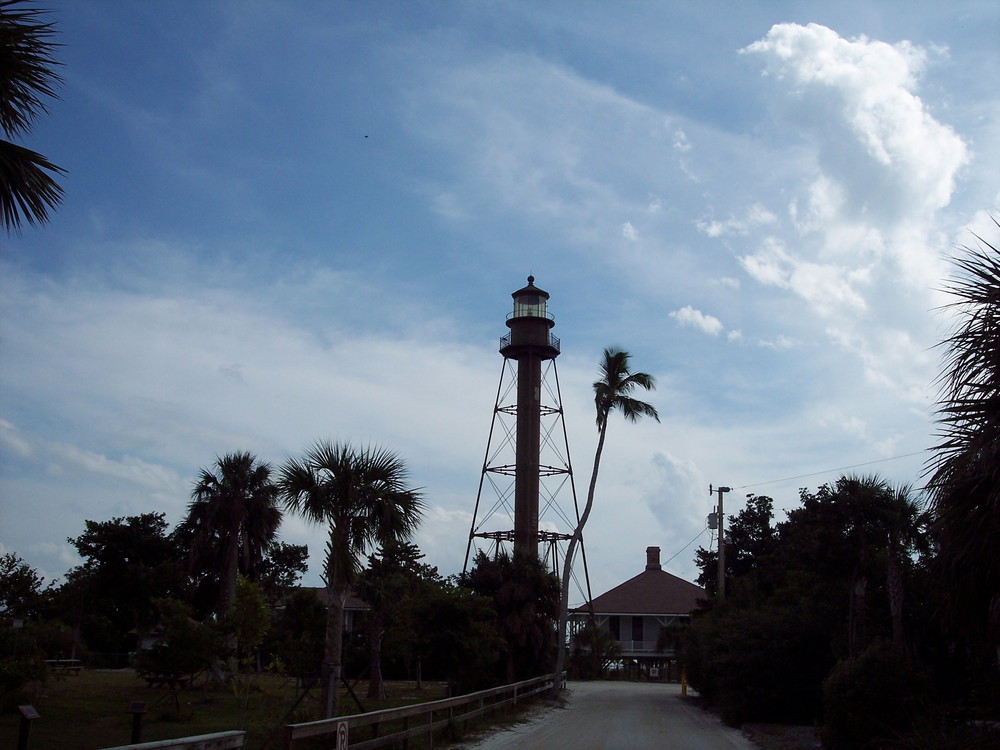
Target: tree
<point>20,587</point>
<point>363,497</point>
<point>27,189</point>
<point>283,565</point>
<point>296,638</point>
<point>965,471</point>
<point>526,600</point>
<point>454,633</point>
<point>232,520</point>
<point>612,392</point>
<point>128,563</point>
<point>389,577</point>
<point>749,544</point>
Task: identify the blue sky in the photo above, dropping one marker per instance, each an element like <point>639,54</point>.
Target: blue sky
<point>292,221</point>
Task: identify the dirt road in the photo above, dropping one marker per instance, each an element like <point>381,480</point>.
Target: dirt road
<point>619,716</point>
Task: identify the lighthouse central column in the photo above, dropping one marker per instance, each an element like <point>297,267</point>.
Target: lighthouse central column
<point>526,481</point>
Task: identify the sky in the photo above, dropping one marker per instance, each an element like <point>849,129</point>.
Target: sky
<point>295,221</point>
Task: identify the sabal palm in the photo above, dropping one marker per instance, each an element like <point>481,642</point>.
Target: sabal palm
<point>612,392</point>
<point>965,480</point>
<point>27,189</point>
<point>363,497</point>
<point>232,520</point>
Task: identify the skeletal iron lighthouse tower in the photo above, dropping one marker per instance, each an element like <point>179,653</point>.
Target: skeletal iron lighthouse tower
<point>527,466</point>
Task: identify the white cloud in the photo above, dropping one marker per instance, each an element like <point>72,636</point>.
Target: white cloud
<point>681,142</point>
<point>11,438</point>
<point>755,216</point>
<point>862,91</point>
<point>629,232</point>
<point>688,316</point>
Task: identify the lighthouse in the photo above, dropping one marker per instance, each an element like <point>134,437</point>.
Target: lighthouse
<point>530,342</point>
<point>527,478</point>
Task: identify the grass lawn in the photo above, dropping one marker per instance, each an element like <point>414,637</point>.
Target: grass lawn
<point>90,711</point>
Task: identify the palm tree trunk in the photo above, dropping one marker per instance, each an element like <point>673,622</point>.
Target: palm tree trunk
<point>232,569</point>
<point>894,584</point>
<point>376,686</point>
<point>567,570</point>
<point>331,671</point>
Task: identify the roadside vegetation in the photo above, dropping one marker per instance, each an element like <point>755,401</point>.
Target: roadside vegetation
<point>872,609</point>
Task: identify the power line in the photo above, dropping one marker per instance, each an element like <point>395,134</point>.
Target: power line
<point>827,471</point>
<point>686,545</point>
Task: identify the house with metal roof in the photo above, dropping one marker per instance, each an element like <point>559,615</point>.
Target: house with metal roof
<point>636,613</point>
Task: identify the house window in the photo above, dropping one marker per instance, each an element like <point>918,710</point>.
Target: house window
<point>636,628</point>
<point>615,626</point>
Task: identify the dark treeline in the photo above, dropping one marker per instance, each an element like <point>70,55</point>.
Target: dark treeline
<point>219,594</point>
<point>872,609</point>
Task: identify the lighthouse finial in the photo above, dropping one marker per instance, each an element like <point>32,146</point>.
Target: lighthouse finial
<point>531,279</point>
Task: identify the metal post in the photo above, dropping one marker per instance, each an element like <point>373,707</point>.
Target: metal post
<point>137,709</point>
<point>28,715</point>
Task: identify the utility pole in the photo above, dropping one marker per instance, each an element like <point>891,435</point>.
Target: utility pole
<point>722,544</point>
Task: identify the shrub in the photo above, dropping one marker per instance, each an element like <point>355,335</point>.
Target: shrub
<point>872,697</point>
<point>761,664</point>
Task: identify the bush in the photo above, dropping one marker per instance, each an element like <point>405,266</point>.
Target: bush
<point>761,664</point>
<point>868,699</point>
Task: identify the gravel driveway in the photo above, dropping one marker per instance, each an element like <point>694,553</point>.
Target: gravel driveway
<point>618,716</point>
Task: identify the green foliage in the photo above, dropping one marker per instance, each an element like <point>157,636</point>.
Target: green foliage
<point>27,76</point>
<point>868,699</point>
<point>248,620</point>
<point>965,483</point>
<point>363,498</point>
<point>823,584</point>
<point>21,661</point>
<point>186,646</point>
<point>764,663</point>
<point>750,544</point>
<point>526,603</point>
<point>231,521</point>
<point>296,637</point>
<point>281,568</point>
<point>592,651</point>
<point>128,563</point>
<point>20,587</point>
<point>457,639</point>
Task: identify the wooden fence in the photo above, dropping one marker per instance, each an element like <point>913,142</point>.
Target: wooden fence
<point>397,725</point>
<point>216,741</point>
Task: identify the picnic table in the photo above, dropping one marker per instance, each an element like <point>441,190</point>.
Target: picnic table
<point>64,666</point>
<point>170,680</point>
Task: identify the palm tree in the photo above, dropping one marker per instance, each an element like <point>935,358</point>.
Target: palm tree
<point>232,520</point>
<point>27,190</point>
<point>362,497</point>
<point>886,527</point>
<point>612,392</point>
<point>965,472</point>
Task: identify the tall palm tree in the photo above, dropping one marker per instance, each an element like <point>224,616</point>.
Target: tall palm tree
<point>232,519</point>
<point>363,498</point>
<point>612,392</point>
<point>27,189</point>
<point>965,471</point>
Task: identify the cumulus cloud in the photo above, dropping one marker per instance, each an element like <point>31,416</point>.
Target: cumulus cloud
<point>629,232</point>
<point>688,316</point>
<point>864,89</point>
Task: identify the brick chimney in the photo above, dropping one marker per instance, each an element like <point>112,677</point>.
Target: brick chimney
<point>653,558</point>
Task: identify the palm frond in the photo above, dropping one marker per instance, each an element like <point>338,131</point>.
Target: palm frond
<point>26,66</point>
<point>27,190</point>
